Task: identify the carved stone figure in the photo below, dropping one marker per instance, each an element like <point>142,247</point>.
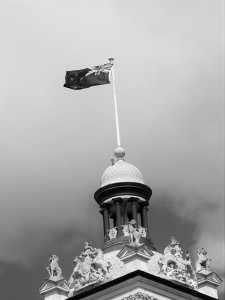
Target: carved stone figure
<point>173,248</point>
<point>90,267</point>
<point>99,263</point>
<point>112,233</point>
<point>126,231</point>
<point>172,265</point>
<point>171,269</point>
<point>203,261</point>
<point>88,247</point>
<point>54,271</point>
<point>190,270</point>
<point>135,234</point>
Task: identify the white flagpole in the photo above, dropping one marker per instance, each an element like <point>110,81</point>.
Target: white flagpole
<point>115,104</point>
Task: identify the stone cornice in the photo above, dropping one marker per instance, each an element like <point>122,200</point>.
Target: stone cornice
<point>122,188</point>
<point>137,276</point>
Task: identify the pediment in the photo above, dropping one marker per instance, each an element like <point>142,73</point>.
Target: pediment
<point>206,275</point>
<point>130,251</point>
<point>49,284</point>
<point>215,278</point>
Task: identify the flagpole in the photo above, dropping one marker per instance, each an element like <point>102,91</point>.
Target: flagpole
<point>115,104</point>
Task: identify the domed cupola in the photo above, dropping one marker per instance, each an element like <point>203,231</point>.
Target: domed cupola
<point>123,197</point>
<point>121,171</point>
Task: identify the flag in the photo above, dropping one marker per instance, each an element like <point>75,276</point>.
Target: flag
<point>85,78</point>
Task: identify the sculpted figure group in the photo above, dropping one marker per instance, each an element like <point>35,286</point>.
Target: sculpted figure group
<point>173,265</point>
<point>90,267</point>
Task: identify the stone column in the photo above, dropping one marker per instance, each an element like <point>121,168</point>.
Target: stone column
<point>117,202</point>
<point>101,212</point>
<point>144,216</point>
<point>106,220</point>
<point>125,218</point>
<point>134,208</point>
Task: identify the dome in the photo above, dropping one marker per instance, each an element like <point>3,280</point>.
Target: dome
<point>121,171</point>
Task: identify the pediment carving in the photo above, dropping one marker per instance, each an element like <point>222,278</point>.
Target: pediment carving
<point>139,296</point>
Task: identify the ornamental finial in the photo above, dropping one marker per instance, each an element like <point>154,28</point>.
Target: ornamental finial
<point>119,152</point>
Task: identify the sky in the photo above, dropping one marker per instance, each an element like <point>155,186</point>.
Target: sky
<point>56,142</point>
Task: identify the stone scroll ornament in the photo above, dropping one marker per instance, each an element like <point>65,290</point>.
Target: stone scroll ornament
<point>90,267</point>
<point>54,271</point>
<point>174,267</point>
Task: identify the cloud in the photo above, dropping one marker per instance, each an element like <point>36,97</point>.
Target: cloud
<point>36,213</point>
<point>207,214</point>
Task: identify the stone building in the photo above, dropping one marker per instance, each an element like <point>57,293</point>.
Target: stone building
<point>128,266</point>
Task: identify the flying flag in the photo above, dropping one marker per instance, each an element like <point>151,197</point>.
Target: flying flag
<point>85,78</point>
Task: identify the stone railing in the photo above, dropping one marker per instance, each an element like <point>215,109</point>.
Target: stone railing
<point>112,232</point>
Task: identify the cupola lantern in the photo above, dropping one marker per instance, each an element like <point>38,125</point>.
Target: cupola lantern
<point>123,198</point>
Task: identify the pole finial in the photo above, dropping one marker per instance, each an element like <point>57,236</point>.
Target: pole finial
<point>119,152</point>
<point>111,59</point>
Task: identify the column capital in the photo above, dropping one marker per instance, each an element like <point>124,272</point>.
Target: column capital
<point>133,199</point>
<point>118,200</point>
<point>105,205</point>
